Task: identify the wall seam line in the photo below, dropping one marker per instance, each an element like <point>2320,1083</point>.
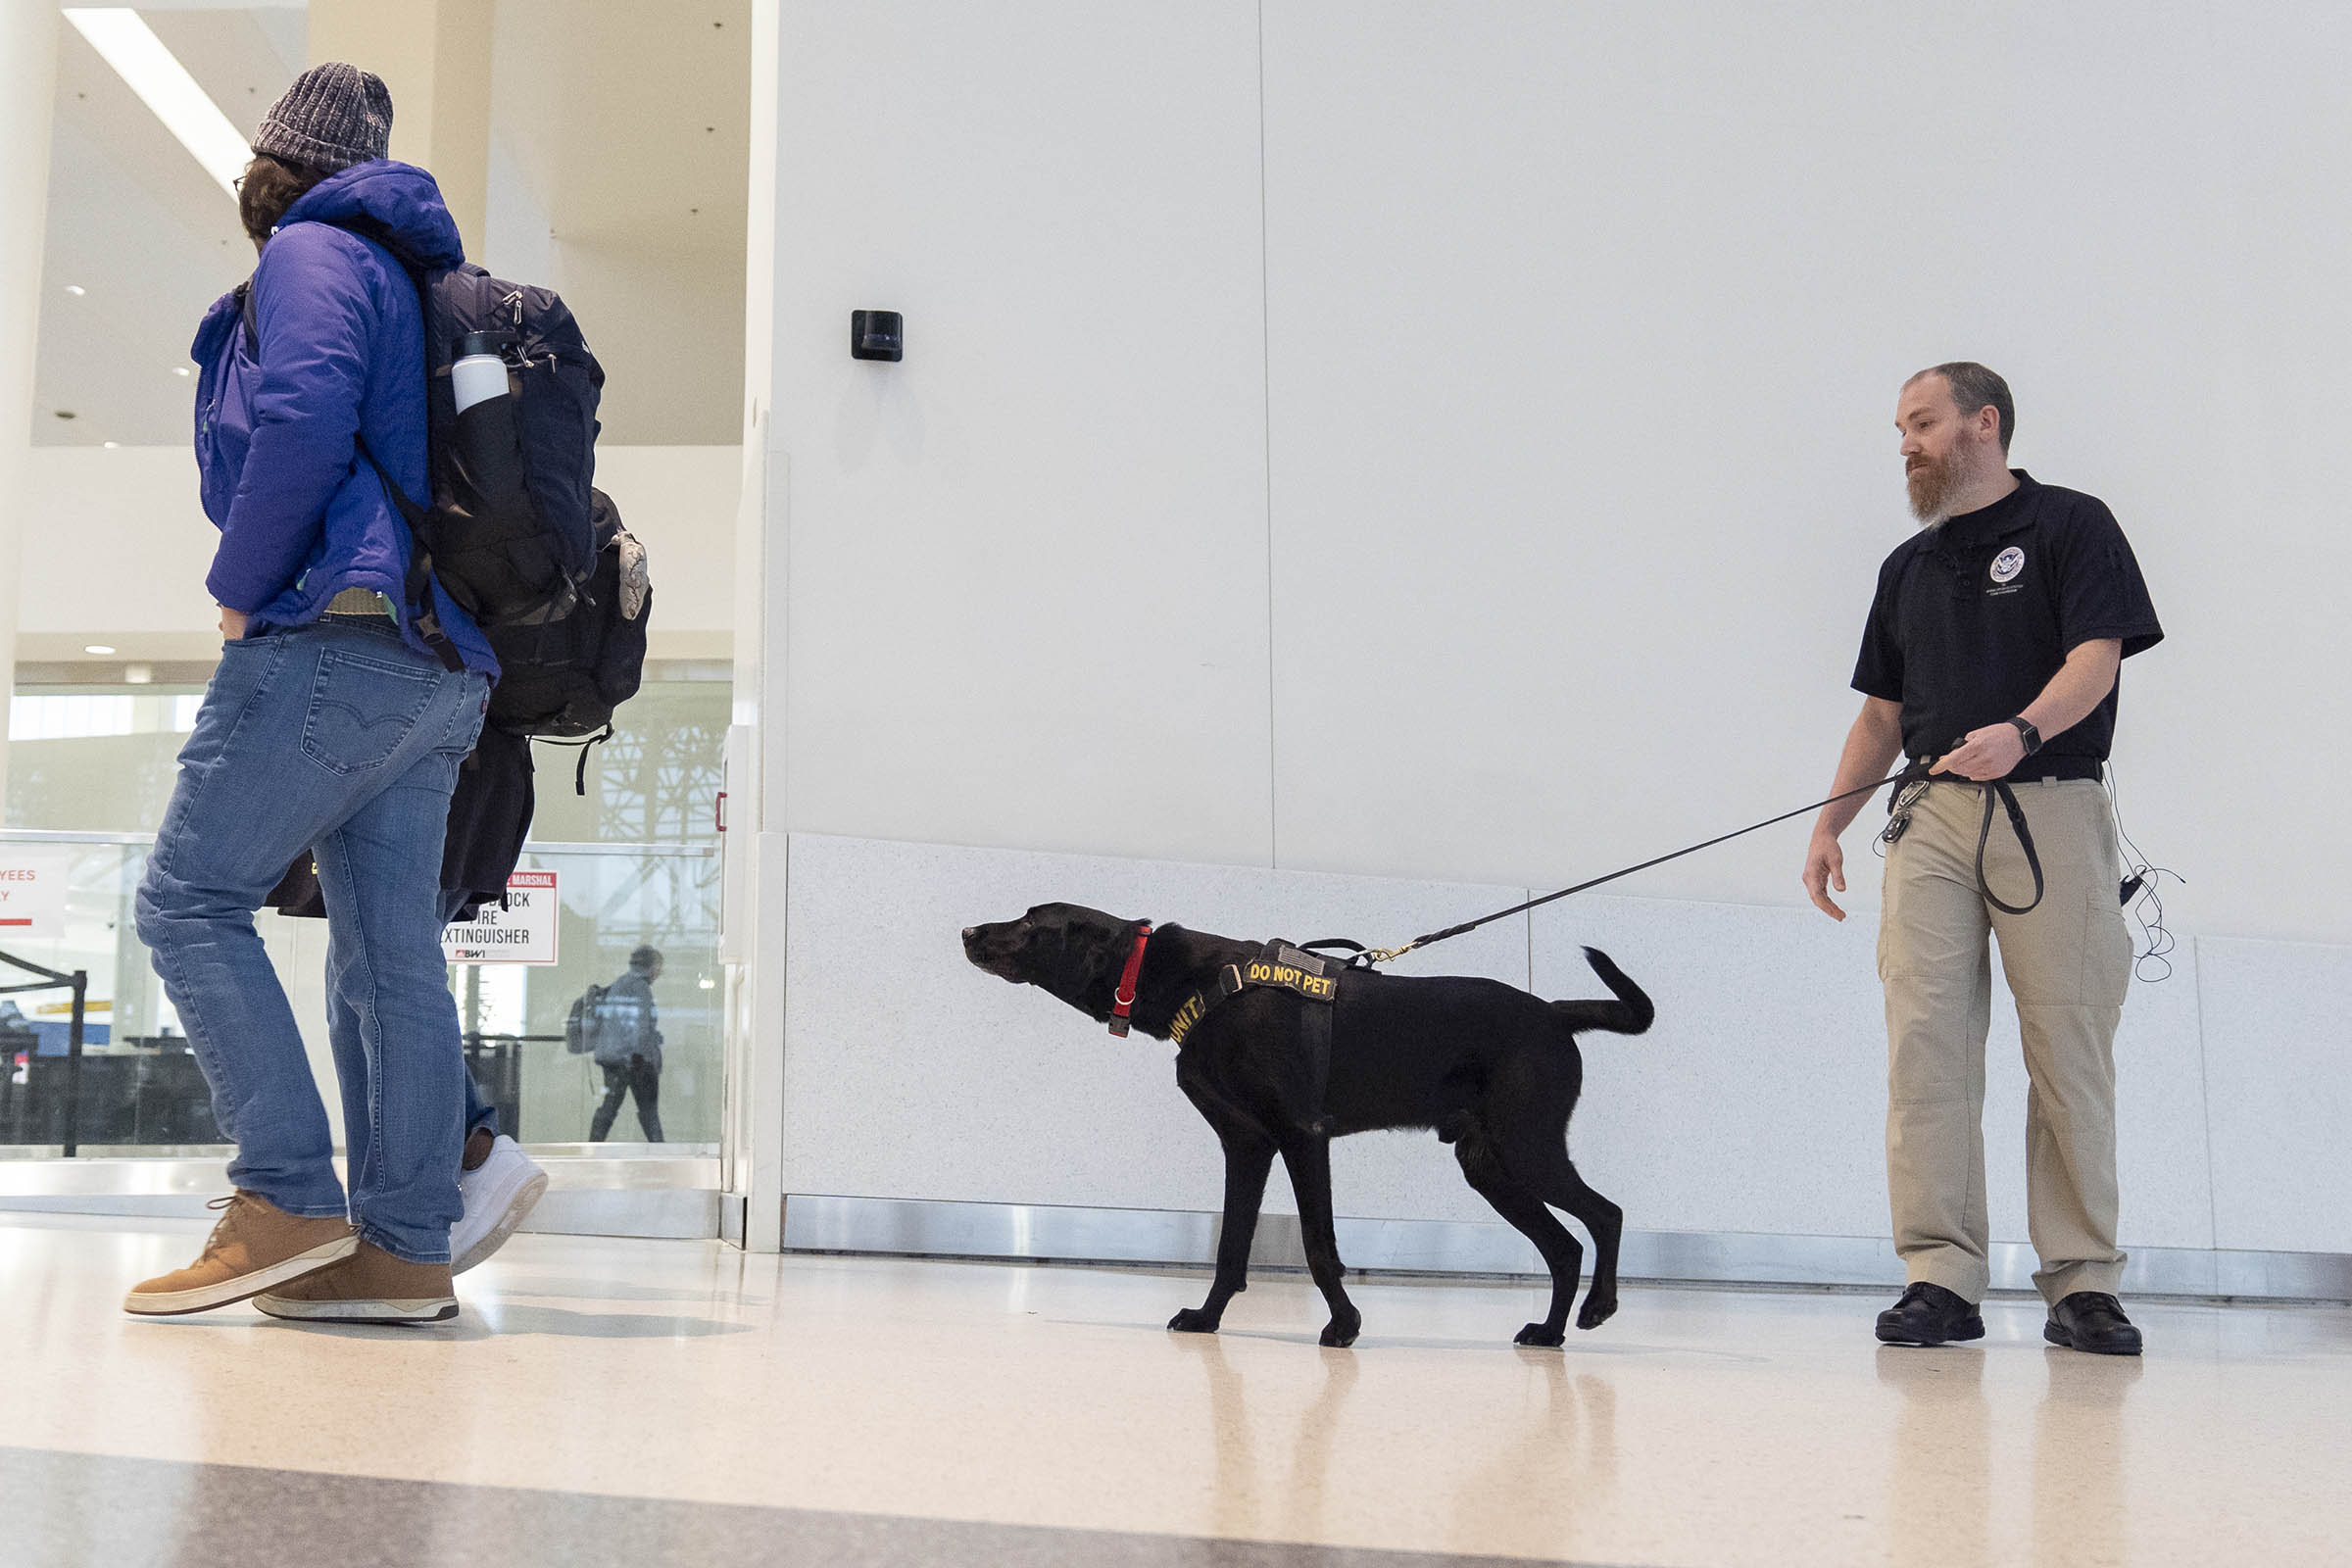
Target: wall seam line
<point>1265,347</point>
<point>2213,1195</point>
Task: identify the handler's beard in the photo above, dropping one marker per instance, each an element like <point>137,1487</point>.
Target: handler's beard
<point>1932,481</point>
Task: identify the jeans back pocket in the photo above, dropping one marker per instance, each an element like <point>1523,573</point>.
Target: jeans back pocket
<point>362,708</point>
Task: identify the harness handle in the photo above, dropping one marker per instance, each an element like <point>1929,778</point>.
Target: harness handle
<point>1360,956</point>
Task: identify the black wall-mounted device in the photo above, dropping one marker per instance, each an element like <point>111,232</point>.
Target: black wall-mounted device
<point>877,335</point>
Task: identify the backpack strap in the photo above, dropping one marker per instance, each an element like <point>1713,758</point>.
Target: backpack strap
<point>579,777</point>
<point>418,590</point>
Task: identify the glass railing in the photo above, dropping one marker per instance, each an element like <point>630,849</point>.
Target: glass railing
<point>133,1087</point>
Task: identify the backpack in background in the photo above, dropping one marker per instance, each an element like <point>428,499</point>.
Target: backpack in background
<point>561,678</point>
<point>585,1023</point>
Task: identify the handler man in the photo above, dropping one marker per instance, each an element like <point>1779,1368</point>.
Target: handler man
<point>1994,643</point>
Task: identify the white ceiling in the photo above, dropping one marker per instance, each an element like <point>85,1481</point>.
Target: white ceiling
<point>630,127</point>
<point>619,170</point>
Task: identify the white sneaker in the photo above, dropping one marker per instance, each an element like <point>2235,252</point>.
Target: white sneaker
<point>498,1195</point>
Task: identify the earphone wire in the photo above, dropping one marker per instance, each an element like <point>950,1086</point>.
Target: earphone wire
<point>2147,907</point>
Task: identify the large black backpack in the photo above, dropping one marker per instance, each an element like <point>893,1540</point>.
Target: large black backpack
<point>508,532</point>
<point>509,535</point>
<point>561,676</point>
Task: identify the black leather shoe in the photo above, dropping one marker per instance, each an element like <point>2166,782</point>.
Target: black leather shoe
<point>2093,1321</point>
<point>1930,1314</point>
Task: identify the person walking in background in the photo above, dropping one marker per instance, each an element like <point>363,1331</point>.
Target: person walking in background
<point>628,1048</point>
<point>1994,646</point>
<point>329,728</point>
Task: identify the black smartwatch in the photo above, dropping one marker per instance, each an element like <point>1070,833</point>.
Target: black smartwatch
<point>2029,734</point>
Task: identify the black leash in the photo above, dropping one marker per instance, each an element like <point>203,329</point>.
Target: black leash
<point>1910,780</point>
<point>2025,839</point>
<point>1900,813</point>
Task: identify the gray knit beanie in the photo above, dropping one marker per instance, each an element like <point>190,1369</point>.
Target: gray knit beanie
<point>333,117</point>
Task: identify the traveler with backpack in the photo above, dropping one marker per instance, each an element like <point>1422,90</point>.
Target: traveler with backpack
<point>350,689</point>
<point>619,1026</point>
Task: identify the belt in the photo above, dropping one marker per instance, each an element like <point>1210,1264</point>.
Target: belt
<point>359,603</point>
<point>2032,771</point>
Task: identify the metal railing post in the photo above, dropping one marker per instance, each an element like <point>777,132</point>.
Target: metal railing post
<point>81,990</point>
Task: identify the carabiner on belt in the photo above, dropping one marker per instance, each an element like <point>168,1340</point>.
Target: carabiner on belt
<point>1899,813</point>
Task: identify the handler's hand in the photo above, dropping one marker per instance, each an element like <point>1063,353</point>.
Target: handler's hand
<point>232,625</point>
<point>1824,869</point>
<point>1987,753</point>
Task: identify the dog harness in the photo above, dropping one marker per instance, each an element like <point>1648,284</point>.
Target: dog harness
<point>1278,966</point>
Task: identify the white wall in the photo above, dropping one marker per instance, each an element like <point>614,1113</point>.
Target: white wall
<point>1756,1105</point>
<point>1455,443</point>
<point>1027,596</point>
<point>115,548</point>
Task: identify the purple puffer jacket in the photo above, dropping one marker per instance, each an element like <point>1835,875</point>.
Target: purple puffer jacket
<point>302,516</point>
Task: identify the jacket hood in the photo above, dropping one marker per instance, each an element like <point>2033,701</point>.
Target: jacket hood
<point>401,199</point>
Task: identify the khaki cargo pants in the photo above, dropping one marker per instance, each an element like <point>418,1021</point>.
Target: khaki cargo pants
<point>2068,964</point>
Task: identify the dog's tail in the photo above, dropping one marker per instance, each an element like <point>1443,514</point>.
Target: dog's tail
<point>1630,1015</point>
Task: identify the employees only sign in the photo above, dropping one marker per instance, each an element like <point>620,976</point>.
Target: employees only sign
<point>32,892</point>
<point>523,932</point>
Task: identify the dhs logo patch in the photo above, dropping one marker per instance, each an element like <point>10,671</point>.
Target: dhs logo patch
<point>2008,564</point>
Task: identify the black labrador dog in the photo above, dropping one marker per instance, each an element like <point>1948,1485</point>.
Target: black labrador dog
<point>1491,1069</point>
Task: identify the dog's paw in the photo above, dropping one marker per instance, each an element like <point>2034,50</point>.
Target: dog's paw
<point>1341,1333</point>
<point>1192,1320</point>
<point>1595,1313</point>
<point>1540,1335</point>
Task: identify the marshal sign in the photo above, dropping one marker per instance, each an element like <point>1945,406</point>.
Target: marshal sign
<point>523,932</point>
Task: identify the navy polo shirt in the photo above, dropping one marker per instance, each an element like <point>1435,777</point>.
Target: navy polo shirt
<point>1973,618</point>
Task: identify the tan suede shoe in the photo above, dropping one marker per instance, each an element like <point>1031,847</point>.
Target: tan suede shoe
<point>371,1286</point>
<point>254,1247</point>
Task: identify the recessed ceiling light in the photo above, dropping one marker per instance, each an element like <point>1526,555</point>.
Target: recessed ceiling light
<point>110,445</point>
<point>97,648</point>
<point>163,85</point>
<point>75,289</point>
<point>179,370</point>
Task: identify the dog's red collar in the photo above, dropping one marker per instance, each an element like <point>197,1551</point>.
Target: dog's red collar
<point>1124,999</point>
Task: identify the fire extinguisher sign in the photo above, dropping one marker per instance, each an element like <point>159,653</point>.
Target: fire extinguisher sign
<point>523,932</point>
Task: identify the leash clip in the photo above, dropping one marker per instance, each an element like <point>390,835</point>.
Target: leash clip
<point>1900,813</point>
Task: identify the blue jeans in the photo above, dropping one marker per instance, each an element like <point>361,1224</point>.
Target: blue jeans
<point>343,1030</point>
<point>338,739</point>
<point>347,1038</point>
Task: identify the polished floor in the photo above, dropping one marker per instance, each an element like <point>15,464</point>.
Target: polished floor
<point>657,1403</point>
